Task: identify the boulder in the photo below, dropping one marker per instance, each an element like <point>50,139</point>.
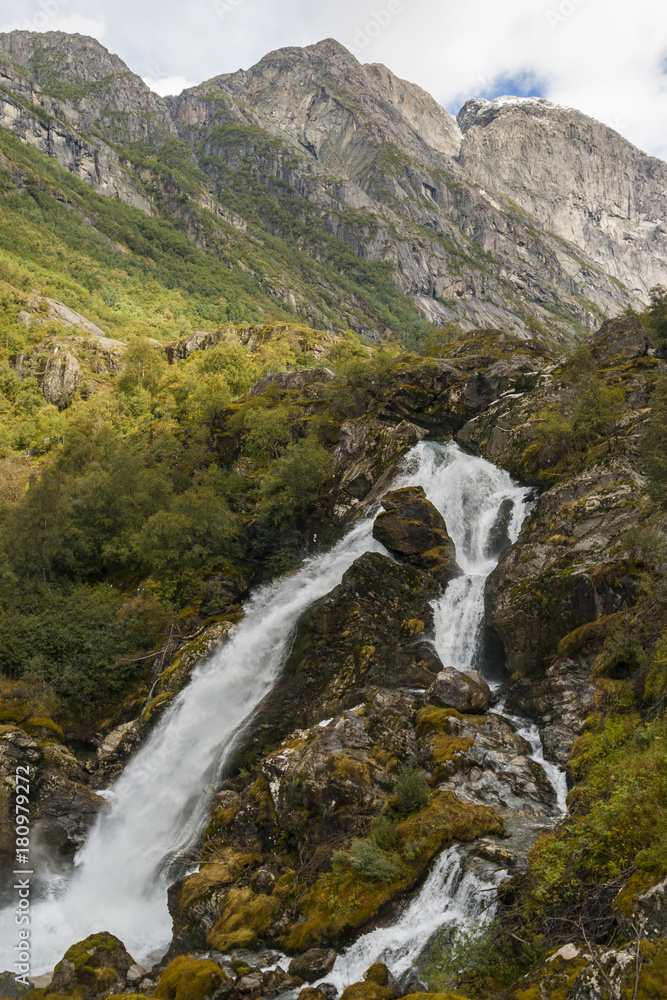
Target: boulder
<point>313,964</point>
<point>92,967</point>
<point>415,531</point>
<point>466,691</point>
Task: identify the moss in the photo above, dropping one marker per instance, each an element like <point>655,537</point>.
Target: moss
<point>591,632</point>
<point>36,723</point>
<point>13,710</point>
<point>437,996</point>
<point>223,870</point>
<point>246,919</point>
<point>187,978</point>
<point>87,957</point>
<point>440,720</point>
<point>160,700</point>
<point>637,884</point>
<point>368,991</point>
<point>342,900</point>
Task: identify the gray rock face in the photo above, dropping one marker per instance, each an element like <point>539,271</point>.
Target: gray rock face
<point>579,178</point>
<point>465,691</point>
<point>57,129</point>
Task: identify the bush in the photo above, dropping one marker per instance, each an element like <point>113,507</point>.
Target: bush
<point>383,833</point>
<point>367,859</point>
<point>411,792</point>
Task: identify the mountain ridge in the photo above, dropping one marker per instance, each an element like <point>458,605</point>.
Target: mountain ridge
<point>323,151</point>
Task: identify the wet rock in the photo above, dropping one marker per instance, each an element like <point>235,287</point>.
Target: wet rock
<point>559,702</point>
<point>465,691</point>
<point>414,530</point>
<point>16,750</point>
<point>351,641</point>
<point>499,539</point>
<point>313,964</point>
<point>116,748</point>
<point>67,810</point>
<point>485,762</point>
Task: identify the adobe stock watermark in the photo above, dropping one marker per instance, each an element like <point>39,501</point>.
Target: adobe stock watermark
<point>47,11</point>
<point>225,7</point>
<point>565,9</point>
<point>379,20</point>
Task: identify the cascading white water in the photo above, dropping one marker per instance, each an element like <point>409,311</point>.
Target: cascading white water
<point>450,895</point>
<point>484,510</point>
<point>161,801</point>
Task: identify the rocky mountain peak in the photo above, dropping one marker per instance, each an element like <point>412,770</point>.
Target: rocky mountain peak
<point>577,176</point>
<point>76,69</point>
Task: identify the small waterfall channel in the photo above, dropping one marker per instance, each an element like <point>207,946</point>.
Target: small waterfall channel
<point>161,801</point>
<point>484,510</point>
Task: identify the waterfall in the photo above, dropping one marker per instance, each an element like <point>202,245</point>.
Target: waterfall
<point>450,895</point>
<point>160,803</point>
<point>484,510</point>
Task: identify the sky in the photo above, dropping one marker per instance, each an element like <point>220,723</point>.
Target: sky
<point>608,58</point>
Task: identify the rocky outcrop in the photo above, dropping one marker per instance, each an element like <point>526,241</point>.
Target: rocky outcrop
<point>56,129</point>
<point>371,630</point>
<point>313,964</point>
<point>556,163</point>
<point>579,971</point>
<point>91,968</point>
<point>415,531</point>
<point>463,690</point>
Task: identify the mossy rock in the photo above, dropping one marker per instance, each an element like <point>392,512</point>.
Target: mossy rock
<point>90,967</point>
<point>14,710</point>
<point>435,996</point>
<point>187,978</point>
<point>339,902</point>
<point>246,920</point>
<point>41,726</point>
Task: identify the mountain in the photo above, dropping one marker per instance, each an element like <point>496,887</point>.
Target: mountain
<point>519,214</point>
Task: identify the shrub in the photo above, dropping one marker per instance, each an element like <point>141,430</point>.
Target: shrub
<point>411,792</point>
<point>367,859</point>
<point>383,833</point>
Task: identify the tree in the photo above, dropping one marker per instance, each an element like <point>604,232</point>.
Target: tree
<point>655,317</point>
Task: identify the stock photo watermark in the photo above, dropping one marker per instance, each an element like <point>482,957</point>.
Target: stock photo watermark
<point>22,884</point>
<point>566,9</point>
<point>379,20</point>
<point>225,7</point>
<point>47,11</point>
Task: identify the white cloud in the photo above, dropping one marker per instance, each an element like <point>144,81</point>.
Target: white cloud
<point>51,17</point>
<point>168,84</point>
<point>601,56</point>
